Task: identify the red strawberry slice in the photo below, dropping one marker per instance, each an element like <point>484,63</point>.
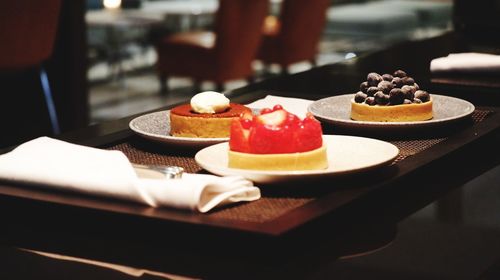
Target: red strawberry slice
<point>309,135</point>
<point>238,140</point>
<point>274,118</point>
<point>265,111</point>
<point>270,139</point>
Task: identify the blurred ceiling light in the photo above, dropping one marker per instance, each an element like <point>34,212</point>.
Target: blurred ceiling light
<point>112,4</point>
<point>350,55</point>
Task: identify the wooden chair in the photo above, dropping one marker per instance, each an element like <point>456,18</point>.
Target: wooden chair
<point>224,54</point>
<point>294,36</point>
<point>27,34</point>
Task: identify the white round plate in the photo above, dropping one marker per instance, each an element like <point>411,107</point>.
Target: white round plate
<point>346,154</point>
<point>337,110</point>
<point>156,126</point>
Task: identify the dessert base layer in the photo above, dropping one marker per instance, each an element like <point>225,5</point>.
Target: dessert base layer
<point>311,160</point>
<point>185,123</point>
<point>183,126</point>
<point>394,113</point>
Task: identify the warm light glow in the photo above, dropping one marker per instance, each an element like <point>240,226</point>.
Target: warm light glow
<point>112,4</point>
<point>350,55</point>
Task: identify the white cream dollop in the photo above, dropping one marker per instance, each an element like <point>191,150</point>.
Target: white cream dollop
<point>209,102</point>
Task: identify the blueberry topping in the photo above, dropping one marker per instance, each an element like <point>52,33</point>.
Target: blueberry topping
<point>399,73</point>
<point>387,89</point>
<point>381,98</point>
<point>372,90</point>
<point>396,96</point>
<point>363,87</point>
<point>408,92</point>
<point>373,79</point>
<point>360,97</point>
<point>387,77</point>
<point>397,82</point>
<point>422,95</point>
<point>408,81</point>
<point>385,86</point>
<point>370,101</point>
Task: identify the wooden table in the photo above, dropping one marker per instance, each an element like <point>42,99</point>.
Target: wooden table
<point>319,222</point>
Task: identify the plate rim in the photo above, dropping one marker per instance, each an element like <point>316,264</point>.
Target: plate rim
<point>170,138</point>
<point>392,124</point>
<point>302,173</point>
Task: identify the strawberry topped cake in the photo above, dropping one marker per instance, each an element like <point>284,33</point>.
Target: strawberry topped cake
<point>276,140</point>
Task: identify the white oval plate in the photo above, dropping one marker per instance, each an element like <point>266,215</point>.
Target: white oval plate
<point>346,154</point>
<point>337,110</point>
<point>156,126</point>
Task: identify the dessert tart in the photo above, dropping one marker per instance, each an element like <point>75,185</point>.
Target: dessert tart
<point>276,140</point>
<point>391,98</point>
<point>208,115</point>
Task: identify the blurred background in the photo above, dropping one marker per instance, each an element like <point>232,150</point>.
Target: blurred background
<point>108,56</point>
<point>121,53</point>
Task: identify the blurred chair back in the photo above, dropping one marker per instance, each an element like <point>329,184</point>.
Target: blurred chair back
<point>296,35</point>
<point>238,36</point>
<point>222,55</point>
<point>27,34</point>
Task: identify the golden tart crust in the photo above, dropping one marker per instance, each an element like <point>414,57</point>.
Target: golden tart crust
<point>310,160</point>
<point>186,123</point>
<point>392,113</point>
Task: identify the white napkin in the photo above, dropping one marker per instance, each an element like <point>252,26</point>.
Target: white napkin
<point>58,164</point>
<point>467,63</point>
<point>295,106</point>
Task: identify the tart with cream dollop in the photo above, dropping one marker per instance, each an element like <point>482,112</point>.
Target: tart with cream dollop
<point>208,115</point>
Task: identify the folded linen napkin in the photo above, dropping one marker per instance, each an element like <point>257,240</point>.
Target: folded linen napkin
<point>466,63</point>
<point>297,106</point>
<point>58,164</point>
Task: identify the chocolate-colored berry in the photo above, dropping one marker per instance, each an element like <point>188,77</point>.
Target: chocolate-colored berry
<point>370,101</point>
<point>408,92</point>
<point>363,87</point>
<point>422,95</point>
<point>397,82</point>
<point>387,77</point>
<point>387,89</point>
<point>385,86</point>
<point>381,98</point>
<point>373,79</point>
<point>372,90</point>
<point>360,97</point>
<point>408,81</point>
<point>396,96</point>
<point>399,73</point>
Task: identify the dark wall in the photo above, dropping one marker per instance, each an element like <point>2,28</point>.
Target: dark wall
<point>478,20</point>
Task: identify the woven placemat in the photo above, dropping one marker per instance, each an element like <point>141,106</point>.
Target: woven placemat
<point>268,207</point>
